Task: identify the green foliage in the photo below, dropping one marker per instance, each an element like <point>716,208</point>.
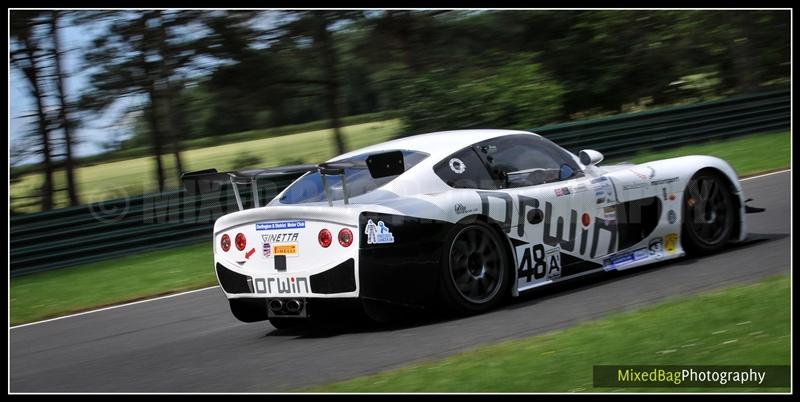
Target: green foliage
<point>212,73</point>
<point>518,94</point>
<point>741,324</point>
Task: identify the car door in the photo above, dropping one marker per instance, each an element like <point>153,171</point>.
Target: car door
<point>559,217</point>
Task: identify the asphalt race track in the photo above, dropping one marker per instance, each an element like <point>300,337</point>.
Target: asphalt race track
<point>191,342</point>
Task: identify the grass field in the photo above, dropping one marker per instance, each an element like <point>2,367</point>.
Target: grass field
<point>742,325</point>
<point>55,293</point>
<point>136,176</point>
<point>63,291</point>
<point>747,154</point>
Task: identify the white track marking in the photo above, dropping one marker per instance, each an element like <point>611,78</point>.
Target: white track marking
<point>765,175</point>
<point>214,287</point>
<point>113,307</point>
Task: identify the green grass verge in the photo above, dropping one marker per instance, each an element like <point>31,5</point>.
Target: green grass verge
<point>162,271</point>
<point>136,176</point>
<point>695,330</point>
<point>55,293</point>
<point>748,154</point>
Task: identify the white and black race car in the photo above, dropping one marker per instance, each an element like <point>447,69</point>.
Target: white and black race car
<point>462,219</point>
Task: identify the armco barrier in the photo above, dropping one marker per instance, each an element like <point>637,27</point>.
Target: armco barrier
<point>109,229</point>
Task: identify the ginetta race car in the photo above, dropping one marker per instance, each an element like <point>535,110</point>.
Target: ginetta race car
<point>462,219</point>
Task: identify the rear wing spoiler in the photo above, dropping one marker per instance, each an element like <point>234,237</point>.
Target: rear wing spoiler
<point>382,164</point>
<point>208,180</point>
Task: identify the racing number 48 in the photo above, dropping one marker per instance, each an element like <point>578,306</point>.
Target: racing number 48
<point>533,264</point>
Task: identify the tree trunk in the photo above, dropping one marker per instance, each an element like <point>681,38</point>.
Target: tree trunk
<point>155,135</point>
<point>32,73</point>
<point>175,129</point>
<point>747,72</point>
<point>69,166</point>
<point>331,71</point>
<point>165,73</point>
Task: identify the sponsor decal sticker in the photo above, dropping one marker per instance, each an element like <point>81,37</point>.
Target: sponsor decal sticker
<point>671,217</point>
<point>562,191</point>
<point>280,237</point>
<point>656,248</point>
<point>282,285</point>
<point>603,191</point>
<point>625,259</point>
<point>610,214</point>
<point>266,250</point>
<point>671,243</point>
<point>287,249</point>
<point>457,166</point>
<point>461,209</point>
<point>281,225</point>
<point>634,186</point>
<point>664,181</point>
<point>378,233</point>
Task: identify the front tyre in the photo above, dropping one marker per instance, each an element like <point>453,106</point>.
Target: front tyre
<point>475,269</point>
<point>709,213</point>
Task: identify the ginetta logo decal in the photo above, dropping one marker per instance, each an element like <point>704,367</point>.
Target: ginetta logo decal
<point>280,237</point>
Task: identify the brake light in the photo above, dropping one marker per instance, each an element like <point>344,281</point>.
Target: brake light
<point>325,238</point>
<point>241,242</point>
<point>225,242</point>
<point>345,237</point>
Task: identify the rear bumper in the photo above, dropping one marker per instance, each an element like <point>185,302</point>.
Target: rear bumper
<point>338,281</point>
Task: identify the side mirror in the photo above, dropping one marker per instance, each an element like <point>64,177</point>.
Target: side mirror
<point>590,157</point>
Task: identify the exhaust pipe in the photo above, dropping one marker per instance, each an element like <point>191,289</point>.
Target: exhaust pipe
<point>294,305</point>
<point>275,305</point>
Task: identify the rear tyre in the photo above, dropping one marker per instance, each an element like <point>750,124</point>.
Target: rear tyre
<point>475,273</point>
<point>709,213</point>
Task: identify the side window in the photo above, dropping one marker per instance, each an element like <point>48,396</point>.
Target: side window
<point>526,160</point>
<point>464,169</point>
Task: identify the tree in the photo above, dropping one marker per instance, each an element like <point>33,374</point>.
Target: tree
<point>26,56</point>
<point>318,26</point>
<point>63,114</point>
<point>139,55</point>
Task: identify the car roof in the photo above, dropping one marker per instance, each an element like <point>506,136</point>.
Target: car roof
<point>437,144</point>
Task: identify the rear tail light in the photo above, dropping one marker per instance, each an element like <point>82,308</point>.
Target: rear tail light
<point>345,237</point>
<point>325,238</point>
<point>241,242</point>
<point>225,242</point>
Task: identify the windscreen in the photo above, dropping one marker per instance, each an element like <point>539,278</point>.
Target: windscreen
<point>309,188</point>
